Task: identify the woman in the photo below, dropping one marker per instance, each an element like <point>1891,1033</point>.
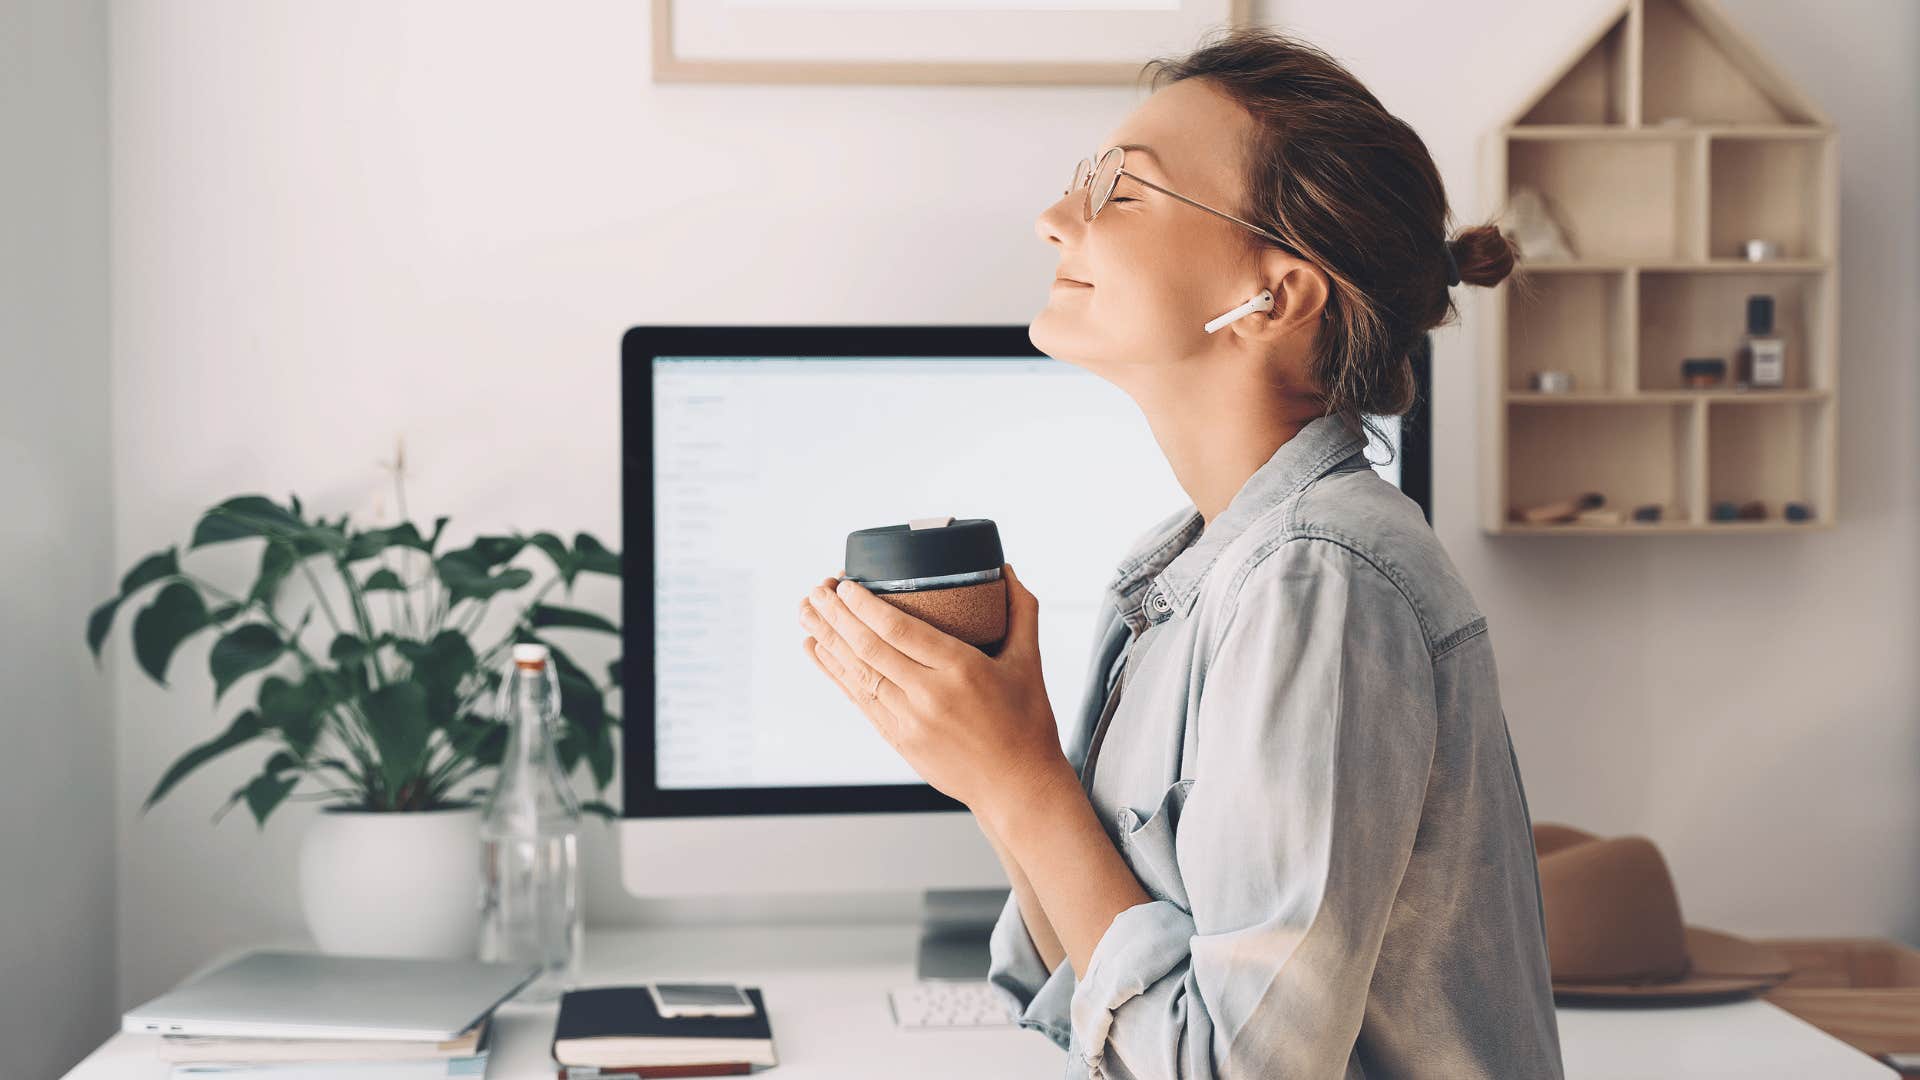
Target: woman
<point>1288,836</point>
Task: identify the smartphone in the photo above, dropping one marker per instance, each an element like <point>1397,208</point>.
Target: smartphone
<point>699,999</point>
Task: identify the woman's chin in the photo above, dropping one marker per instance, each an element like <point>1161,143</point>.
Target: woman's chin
<point>1060,335</point>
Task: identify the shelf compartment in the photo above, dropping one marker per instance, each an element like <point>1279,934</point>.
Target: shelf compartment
<point>1771,451</point>
<point>1645,397</point>
<point>1689,72</point>
<point>1596,88</point>
<point>1632,454</point>
<point>1767,189</point>
<point>1685,313</point>
<point>1692,266</point>
<point>1580,323</point>
<point>1625,198</point>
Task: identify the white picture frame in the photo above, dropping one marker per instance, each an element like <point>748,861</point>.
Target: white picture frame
<point>998,42</point>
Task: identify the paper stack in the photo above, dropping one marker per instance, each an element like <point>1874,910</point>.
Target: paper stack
<point>198,1057</point>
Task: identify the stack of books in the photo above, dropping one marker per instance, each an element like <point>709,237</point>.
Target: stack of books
<point>615,1033</point>
<point>202,1057</point>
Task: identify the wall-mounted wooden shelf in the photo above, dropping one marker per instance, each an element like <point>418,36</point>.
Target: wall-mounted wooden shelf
<point>1661,147</point>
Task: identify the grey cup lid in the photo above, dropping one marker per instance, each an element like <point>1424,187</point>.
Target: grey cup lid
<point>891,552</point>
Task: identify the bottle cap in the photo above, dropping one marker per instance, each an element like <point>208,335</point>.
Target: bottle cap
<point>530,654</point>
<point>1760,314</point>
<point>925,547</point>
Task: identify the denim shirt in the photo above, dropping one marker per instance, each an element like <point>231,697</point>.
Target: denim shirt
<point>1292,732</point>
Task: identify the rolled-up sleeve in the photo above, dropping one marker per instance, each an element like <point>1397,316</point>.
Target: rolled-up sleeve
<point>1036,997</point>
<point>1316,733</point>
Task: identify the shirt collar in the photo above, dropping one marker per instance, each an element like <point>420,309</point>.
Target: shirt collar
<point>1177,553</point>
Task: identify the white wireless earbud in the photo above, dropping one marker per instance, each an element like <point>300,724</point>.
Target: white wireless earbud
<point>1263,302</point>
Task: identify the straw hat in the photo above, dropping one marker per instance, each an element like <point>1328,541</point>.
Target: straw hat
<point>1614,930</point>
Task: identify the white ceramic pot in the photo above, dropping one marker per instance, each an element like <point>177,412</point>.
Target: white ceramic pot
<point>393,884</point>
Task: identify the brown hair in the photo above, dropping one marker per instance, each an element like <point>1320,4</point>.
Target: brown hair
<point>1353,190</point>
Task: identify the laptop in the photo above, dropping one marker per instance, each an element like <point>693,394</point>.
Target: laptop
<point>296,995</point>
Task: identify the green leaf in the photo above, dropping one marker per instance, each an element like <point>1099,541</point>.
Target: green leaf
<point>246,516</point>
<point>154,567</point>
<point>438,667</point>
<point>494,550</point>
<point>439,526</point>
<point>98,624</point>
<point>246,726</point>
<point>598,807</point>
<point>365,545</point>
<point>383,579</point>
<point>547,615</point>
<point>224,612</point>
<point>568,750</point>
<point>594,556</point>
<point>600,758</point>
<point>348,650</point>
<point>466,577</point>
<point>277,560</point>
<point>296,710</point>
<point>266,792</point>
<point>581,703</point>
<point>614,668</point>
<point>242,651</point>
<point>255,515</point>
<point>175,614</point>
<point>330,539</point>
<point>563,560</point>
<point>397,720</point>
<point>478,737</point>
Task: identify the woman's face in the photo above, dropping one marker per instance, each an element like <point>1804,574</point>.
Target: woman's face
<point>1154,269</point>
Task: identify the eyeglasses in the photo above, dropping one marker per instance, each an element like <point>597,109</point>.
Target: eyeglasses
<point>1100,178</point>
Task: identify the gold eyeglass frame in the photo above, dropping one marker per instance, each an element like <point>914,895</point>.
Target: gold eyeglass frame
<point>1086,169</point>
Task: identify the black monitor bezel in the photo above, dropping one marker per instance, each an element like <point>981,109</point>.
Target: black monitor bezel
<point>642,798</point>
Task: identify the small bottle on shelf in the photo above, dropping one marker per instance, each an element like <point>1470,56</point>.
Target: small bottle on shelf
<point>1763,357</point>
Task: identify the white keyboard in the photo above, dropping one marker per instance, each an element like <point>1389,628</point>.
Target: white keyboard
<point>948,1004</point>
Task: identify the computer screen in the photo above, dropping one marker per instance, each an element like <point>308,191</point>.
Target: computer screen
<point>754,468</point>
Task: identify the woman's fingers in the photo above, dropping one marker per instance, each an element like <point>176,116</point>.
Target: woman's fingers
<point>861,682</point>
<point>879,712</point>
<point>914,638</point>
<point>855,644</point>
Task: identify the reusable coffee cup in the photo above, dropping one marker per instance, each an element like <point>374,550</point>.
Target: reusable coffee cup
<point>943,570</point>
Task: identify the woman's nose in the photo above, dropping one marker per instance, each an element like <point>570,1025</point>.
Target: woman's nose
<point>1055,221</point>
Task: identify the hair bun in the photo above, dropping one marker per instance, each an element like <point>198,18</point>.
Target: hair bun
<point>1484,254</point>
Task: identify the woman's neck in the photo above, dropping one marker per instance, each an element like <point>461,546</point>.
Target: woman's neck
<point>1217,432</point>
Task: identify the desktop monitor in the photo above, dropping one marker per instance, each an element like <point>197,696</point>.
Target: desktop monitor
<point>749,454</point>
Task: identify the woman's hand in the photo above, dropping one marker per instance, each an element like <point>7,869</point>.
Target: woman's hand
<point>978,728</point>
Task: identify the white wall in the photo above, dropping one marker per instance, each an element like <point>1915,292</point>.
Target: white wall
<point>56,729</point>
<point>336,222</point>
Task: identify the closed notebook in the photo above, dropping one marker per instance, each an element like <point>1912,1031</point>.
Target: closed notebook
<point>460,1068</point>
<point>652,1072</point>
<point>617,1026</point>
<point>214,1049</point>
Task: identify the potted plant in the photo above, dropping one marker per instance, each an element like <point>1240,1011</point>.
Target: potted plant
<point>389,720</point>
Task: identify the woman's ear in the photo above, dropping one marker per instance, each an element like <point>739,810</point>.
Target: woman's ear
<point>1299,297</point>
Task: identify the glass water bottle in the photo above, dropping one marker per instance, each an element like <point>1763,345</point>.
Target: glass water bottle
<point>529,836</point>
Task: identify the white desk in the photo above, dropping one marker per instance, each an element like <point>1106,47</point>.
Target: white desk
<point>826,990</point>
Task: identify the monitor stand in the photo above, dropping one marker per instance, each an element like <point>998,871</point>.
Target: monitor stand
<point>956,926</point>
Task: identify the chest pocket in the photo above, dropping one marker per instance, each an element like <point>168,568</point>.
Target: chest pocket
<point>1148,845</point>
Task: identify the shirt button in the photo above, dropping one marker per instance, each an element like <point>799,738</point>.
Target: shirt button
<point>1161,604</point>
